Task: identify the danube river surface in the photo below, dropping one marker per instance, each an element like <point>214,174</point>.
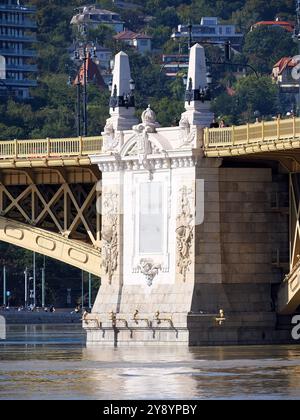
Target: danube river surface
<point>52,362</point>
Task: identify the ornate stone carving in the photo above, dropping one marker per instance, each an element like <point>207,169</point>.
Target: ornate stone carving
<point>112,139</point>
<point>110,240</point>
<point>187,134</point>
<point>148,164</point>
<point>149,125</point>
<point>149,269</point>
<point>184,233</point>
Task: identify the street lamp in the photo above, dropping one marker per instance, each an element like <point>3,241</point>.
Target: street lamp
<point>83,52</point>
<point>43,270</point>
<point>132,85</point>
<point>31,291</point>
<point>199,94</point>
<point>90,291</point>
<point>4,286</point>
<point>228,50</point>
<point>208,78</point>
<point>185,80</point>
<point>127,99</point>
<point>26,288</point>
<point>190,29</point>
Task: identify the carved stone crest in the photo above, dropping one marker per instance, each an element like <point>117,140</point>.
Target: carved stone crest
<point>110,240</point>
<point>149,125</point>
<point>149,269</point>
<point>184,233</point>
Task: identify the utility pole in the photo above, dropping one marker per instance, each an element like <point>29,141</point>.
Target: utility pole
<point>4,285</point>
<point>190,28</point>
<point>82,289</point>
<point>34,279</point>
<point>297,39</point>
<point>90,291</point>
<point>78,84</point>
<point>85,117</point>
<point>26,288</point>
<point>43,282</point>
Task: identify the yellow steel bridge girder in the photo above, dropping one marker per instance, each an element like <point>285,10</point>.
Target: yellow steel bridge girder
<point>289,294</point>
<point>54,245</point>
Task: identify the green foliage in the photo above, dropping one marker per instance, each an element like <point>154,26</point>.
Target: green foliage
<point>251,94</point>
<point>52,110</point>
<point>264,46</point>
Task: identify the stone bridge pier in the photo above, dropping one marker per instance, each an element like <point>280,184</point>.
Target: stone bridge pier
<point>187,241</point>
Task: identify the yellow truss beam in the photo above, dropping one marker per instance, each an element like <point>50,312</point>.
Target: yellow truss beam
<point>75,253</point>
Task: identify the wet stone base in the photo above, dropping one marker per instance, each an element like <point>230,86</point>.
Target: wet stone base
<point>124,337</point>
<point>201,330</point>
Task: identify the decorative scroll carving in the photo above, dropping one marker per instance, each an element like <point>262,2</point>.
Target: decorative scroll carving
<point>149,269</point>
<point>110,240</point>
<point>184,233</point>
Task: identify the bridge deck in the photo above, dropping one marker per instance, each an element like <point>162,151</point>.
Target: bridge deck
<point>264,137</point>
<point>48,152</point>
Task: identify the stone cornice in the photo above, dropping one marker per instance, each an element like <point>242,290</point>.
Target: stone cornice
<point>172,160</point>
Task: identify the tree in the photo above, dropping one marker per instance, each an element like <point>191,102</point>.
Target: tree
<point>251,94</point>
<point>264,46</point>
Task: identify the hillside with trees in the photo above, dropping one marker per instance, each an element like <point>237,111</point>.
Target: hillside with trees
<point>52,110</point>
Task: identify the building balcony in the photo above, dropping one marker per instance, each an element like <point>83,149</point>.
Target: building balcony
<point>9,52</point>
<point>19,83</point>
<point>27,24</point>
<point>13,38</point>
<point>16,8</point>
<point>22,67</point>
<point>202,35</point>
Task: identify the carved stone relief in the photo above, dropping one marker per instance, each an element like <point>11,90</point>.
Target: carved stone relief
<point>112,139</point>
<point>185,233</point>
<point>149,125</point>
<point>149,269</point>
<point>187,134</point>
<point>110,239</point>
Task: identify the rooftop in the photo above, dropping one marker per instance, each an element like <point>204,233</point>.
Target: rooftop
<point>95,13</point>
<point>284,63</point>
<point>126,35</point>
<point>289,26</point>
<point>95,9</point>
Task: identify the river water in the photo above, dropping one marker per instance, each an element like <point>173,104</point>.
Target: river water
<point>53,362</point>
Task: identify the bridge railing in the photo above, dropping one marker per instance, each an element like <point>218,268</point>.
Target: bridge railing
<point>47,148</point>
<point>252,133</point>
